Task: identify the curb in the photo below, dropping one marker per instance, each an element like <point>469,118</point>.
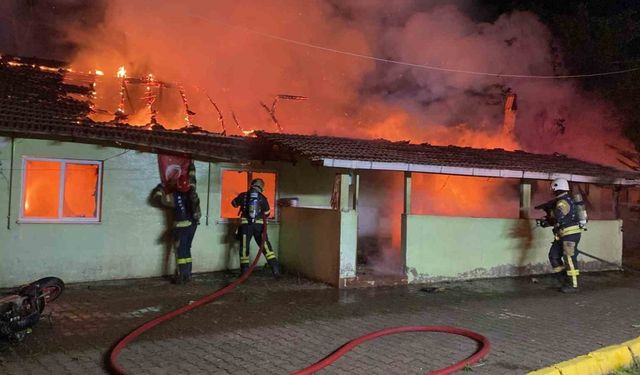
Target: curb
<point>599,362</point>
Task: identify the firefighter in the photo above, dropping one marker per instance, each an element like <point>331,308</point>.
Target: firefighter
<point>186,204</point>
<point>254,210</point>
<point>567,229</point>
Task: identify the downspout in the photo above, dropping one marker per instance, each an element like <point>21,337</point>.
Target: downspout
<point>208,192</point>
<point>13,147</point>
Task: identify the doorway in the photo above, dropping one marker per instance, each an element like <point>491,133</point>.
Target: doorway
<point>380,205</point>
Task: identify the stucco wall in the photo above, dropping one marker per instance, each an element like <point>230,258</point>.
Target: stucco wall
<point>311,184</point>
<point>440,248</point>
<point>348,243</point>
<point>127,243</point>
<point>310,239</point>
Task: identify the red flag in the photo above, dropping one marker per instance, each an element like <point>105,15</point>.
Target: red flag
<point>171,167</point>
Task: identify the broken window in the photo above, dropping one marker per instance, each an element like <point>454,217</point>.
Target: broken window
<point>57,190</point>
<point>235,182</point>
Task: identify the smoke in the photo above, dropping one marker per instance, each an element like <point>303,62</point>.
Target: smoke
<point>40,27</point>
<point>224,49</point>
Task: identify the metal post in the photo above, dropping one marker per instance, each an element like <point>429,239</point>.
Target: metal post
<point>407,193</point>
<point>13,147</point>
<point>206,221</point>
<point>616,202</point>
<point>355,177</point>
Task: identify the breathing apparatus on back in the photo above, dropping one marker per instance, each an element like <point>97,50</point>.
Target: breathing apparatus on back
<point>252,200</point>
<point>581,210</point>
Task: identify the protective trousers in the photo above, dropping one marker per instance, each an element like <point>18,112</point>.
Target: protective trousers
<point>254,230</point>
<point>563,256</point>
<point>184,238</point>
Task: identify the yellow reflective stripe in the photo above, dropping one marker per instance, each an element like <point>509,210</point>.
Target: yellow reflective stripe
<point>563,206</point>
<point>183,223</point>
<point>558,269</point>
<point>269,255</point>
<point>245,221</point>
<point>574,275</point>
<point>569,230</point>
<point>184,260</point>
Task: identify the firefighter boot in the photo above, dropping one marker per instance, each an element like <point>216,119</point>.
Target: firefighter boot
<point>569,286</point>
<point>275,267</point>
<point>244,268</point>
<point>561,278</point>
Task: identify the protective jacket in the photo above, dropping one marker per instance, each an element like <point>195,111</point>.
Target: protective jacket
<point>183,209</point>
<point>566,214</point>
<point>253,206</point>
<point>186,205</point>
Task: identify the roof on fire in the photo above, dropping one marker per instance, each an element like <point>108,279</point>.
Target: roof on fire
<point>43,99</point>
<point>382,154</point>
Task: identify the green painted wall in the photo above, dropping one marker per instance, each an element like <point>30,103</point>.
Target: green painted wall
<point>348,243</point>
<point>312,184</point>
<point>440,248</point>
<point>319,244</point>
<point>128,241</point>
<point>310,239</point>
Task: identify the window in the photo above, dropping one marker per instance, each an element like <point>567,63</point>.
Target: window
<point>235,182</point>
<point>55,190</point>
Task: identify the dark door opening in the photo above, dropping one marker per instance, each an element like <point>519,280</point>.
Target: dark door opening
<point>380,205</point>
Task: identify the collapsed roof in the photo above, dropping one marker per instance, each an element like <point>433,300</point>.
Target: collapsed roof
<point>43,99</point>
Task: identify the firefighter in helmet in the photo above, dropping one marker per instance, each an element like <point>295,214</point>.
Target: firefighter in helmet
<point>566,218</point>
<point>254,210</point>
<point>184,200</point>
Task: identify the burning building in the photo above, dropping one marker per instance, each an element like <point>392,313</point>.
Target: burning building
<point>76,189</point>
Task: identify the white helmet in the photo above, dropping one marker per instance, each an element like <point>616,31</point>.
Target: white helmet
<point>559,184</point>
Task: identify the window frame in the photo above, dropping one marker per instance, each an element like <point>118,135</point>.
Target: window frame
<point>61,219</point>
<point>273,205</point>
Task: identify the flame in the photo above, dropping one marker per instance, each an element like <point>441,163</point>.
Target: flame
<point>122,73</point>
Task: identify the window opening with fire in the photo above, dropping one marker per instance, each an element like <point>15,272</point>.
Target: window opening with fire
<point>59,190</point>
<point>235,182</point>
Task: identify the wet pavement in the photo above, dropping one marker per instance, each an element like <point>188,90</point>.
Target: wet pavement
<point>276,327</point>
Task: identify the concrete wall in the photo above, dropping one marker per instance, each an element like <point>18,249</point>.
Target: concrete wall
<point>128,242</point>
<point>441,248</point>
<point>310,239</point>
<point>319,244</point>
<point>311,184</point>
<point>348,244</point>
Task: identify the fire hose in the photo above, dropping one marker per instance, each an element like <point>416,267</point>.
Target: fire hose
<point>480,353</point>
